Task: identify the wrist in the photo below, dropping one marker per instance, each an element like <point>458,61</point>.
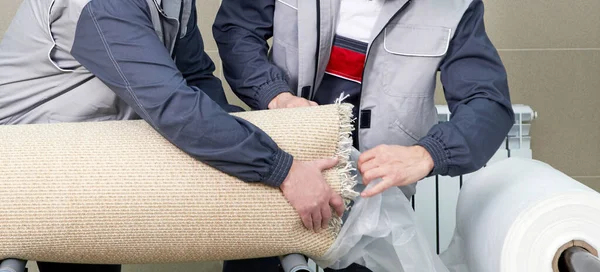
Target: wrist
<point>286,182</point>
<point>426,158</point>
<point>280,168</point>
<point>439,154</point>
<point>267,92</point>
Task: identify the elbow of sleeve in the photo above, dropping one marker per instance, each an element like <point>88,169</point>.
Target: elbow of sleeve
<point>472,166</point>
<point>282,162</point>
<point>511,117</point>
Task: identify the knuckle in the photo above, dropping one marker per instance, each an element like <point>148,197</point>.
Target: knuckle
<point>376,161</point>
<point>367,175</point>
<point>304,210</point>
<point>399,176</point>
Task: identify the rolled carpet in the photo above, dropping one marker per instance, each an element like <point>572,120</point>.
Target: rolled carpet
<point>116,192</point>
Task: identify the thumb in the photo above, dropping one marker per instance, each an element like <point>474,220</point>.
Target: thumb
<point>337,203</point>
<point>325,164</point>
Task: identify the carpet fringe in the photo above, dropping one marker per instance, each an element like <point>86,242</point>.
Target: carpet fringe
<point>345,168</point>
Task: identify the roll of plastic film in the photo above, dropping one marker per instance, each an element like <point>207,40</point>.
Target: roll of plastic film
<point>521,215</point>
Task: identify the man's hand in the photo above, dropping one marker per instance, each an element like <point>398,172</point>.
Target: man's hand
<point>288,100</point>
<point>395,165</point>
<point>306,190</point>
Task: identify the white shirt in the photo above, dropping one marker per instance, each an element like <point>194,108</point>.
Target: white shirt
<point>357,18</point>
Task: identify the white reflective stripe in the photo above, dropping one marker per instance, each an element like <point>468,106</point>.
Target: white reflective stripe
<point>343,77</point>
<point>287,4</point>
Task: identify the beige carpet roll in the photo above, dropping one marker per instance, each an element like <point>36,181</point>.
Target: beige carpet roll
<point>118,192</point>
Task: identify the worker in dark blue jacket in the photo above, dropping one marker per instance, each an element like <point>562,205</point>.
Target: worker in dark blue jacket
<point>383,57</point>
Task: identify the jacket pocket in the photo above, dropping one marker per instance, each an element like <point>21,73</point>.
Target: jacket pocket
<point>410,56</point>
<point>417,41</point>
<point>409,119</point>
<point>397,125</point>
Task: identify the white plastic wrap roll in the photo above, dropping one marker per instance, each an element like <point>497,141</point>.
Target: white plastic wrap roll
<point>515,215</point>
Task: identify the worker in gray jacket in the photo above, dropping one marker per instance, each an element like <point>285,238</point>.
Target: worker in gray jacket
<point>383,57</point>
<point>97,60</point>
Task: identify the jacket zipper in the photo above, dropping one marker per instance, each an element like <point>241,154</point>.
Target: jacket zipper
<point>181,7</point>
<point>368,53</point>
<point>313,90</point>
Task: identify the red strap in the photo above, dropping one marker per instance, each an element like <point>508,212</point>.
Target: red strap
<point>346,63</point>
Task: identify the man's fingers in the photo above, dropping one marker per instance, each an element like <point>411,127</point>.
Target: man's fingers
<point>380,187</point>
<point>366,156</point>
<point>313,103</point>
<point>337,203</point>
<point>368,165</point>
<point>316,220</point>
<point>298,102</point>
<point>326,216</point>
<point>304,102</point>
<point>307,221</point>
<point>373,174</point>
<point>325,164</point>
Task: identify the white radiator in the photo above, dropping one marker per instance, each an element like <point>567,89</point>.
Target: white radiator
<point>436,197</point>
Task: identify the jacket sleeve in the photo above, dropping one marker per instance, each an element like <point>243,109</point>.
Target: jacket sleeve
<point>476,89</point>
<point>115,40</point>
<point>241,30</point>
<point>197,67</point>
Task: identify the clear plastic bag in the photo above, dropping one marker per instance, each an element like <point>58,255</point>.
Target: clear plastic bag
<point>381,234</point>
